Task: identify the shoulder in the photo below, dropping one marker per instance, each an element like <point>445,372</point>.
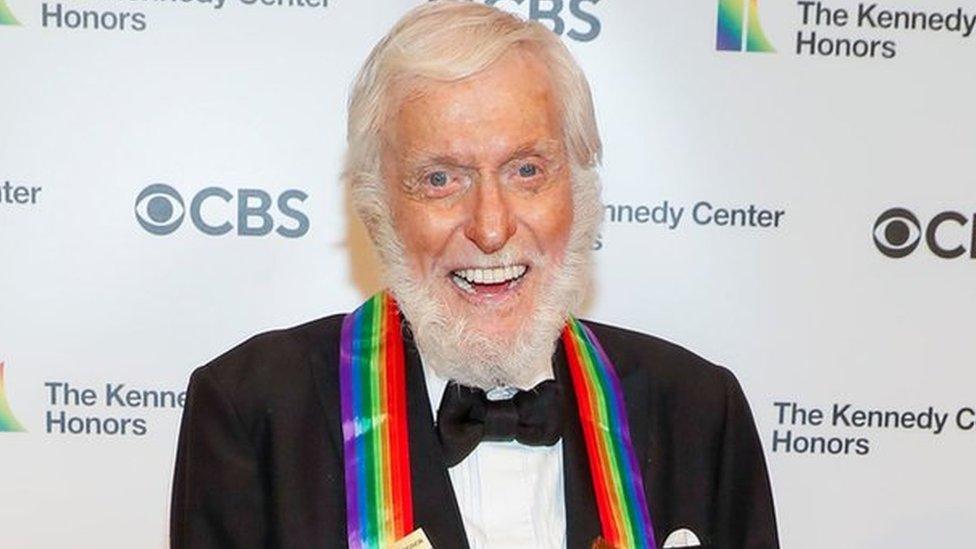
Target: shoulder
<point>669,371</point>
<point>273,364</point>
<point>686,408</point>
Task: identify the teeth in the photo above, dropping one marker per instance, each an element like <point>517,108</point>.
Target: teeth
<point>494,275</point>
<point>463,284</point>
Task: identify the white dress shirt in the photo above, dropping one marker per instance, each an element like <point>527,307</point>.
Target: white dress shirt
<point>510,495</point>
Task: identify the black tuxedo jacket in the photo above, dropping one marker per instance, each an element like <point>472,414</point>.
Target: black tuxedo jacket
<point>259,462</point>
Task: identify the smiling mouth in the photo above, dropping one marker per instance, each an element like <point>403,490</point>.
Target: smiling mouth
<point>488,281</point>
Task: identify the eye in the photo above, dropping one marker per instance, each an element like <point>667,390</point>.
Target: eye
<point>440,182</point>
<point>437,179</point>
<point>897,232</point>
<point>159,209</point>
<point>528,170</point>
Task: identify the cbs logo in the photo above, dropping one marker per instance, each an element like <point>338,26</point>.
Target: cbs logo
<point>160,210</point>
<point>898,232</point>
<point>584,26</point>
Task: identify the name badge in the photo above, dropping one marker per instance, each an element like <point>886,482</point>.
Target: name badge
<point>414,540</point>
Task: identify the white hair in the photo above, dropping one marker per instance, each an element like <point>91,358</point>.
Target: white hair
<point>447,41</point>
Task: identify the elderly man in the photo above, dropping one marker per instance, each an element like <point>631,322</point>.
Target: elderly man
<point>466,406</point>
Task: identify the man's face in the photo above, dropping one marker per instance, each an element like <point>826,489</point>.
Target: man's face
<point>479,189</point>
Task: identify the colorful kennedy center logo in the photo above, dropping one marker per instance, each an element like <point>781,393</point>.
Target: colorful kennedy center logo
<point>7,16</point>
<point>8,423</point>
<point>739,30</point>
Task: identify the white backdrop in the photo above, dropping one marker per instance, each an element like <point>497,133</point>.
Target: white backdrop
<point>238,94</point>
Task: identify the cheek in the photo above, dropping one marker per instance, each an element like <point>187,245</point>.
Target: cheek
<point>550,219</point>
<point>424,230</point>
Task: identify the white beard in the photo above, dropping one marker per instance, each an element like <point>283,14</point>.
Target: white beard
<point>449,340</point>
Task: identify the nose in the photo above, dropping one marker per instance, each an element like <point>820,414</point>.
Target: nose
<point>492,222</point>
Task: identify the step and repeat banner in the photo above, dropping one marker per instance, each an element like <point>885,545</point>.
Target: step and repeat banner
<point>789,192</point>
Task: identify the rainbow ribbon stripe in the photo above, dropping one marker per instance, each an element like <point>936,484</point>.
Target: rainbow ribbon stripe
<point>372,378</point>
<point>617,484</point>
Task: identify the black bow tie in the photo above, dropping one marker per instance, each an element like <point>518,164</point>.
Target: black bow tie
<point>466,417</point>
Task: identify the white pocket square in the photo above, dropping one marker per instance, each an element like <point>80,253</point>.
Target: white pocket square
<point>682,537</point>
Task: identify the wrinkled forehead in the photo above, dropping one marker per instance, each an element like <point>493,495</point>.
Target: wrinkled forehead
<point>511,102</point>
<point>413,73</point>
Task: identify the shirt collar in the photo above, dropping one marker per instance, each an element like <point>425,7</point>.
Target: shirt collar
<point>436,386</point>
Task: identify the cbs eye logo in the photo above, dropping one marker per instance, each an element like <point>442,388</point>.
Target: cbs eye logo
<point>898,232</point>
<point>160,210</point>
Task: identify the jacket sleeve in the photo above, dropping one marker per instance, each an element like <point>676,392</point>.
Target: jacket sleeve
<point>744,512</point>
<point>217,499</point>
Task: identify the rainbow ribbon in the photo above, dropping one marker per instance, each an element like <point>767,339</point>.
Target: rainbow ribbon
<point>372,378</point>
<point>617,484</point>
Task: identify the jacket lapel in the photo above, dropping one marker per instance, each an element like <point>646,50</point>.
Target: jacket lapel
<point>582,518</point>
<point>435,506</point>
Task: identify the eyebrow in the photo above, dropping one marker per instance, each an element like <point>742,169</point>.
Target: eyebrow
<point>422,158</point>
<point>419,157</point>
<point>545,148</point>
